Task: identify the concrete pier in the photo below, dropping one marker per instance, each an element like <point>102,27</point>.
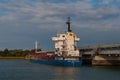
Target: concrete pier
<point>101,54</point>
<point>103,60</point>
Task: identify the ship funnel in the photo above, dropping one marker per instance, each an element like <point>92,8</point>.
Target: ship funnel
<point>68,23</point>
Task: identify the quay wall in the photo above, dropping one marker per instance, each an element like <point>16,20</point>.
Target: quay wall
<point>101,60</point>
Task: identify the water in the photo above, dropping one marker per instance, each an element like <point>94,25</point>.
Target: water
<point>24,70</point>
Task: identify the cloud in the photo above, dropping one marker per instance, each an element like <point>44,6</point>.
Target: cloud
<point>44,12</point>
<point>32,17</point>
<point>40,12</point>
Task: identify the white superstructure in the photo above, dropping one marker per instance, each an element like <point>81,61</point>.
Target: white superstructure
<point>66,43</point>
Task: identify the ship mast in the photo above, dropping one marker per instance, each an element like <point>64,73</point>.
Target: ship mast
<point>36,46</point>
<point>68,23</point>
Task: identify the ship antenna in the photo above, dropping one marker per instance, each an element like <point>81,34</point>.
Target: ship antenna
<point>68,23</point>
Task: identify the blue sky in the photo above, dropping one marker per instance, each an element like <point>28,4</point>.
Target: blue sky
<point>22,22</point>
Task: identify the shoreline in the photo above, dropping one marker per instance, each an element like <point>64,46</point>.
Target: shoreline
<point>12,58</point>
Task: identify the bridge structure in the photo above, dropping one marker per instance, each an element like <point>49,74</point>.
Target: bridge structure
<point>101,54</point>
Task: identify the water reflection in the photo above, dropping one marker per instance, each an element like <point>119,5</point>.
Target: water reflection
<point>24,70</point>
<point>65,73</point>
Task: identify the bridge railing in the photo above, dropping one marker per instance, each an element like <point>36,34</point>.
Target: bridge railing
<point>110,52</point>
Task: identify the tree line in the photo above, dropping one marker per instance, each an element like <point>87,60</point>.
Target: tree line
<point>15,53</point>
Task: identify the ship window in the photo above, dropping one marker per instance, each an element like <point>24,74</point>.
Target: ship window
<point>63,36</point>
<point>70,34</point>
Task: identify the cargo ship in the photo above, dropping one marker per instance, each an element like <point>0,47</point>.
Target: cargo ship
<point>65,53</point>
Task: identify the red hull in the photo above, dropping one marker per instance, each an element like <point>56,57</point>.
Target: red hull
<point>41,56</point>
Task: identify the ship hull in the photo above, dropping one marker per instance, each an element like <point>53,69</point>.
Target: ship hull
<point>55,60</point>
<point>76,63</point>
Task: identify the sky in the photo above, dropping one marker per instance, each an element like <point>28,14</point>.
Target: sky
<point>22,22</point>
